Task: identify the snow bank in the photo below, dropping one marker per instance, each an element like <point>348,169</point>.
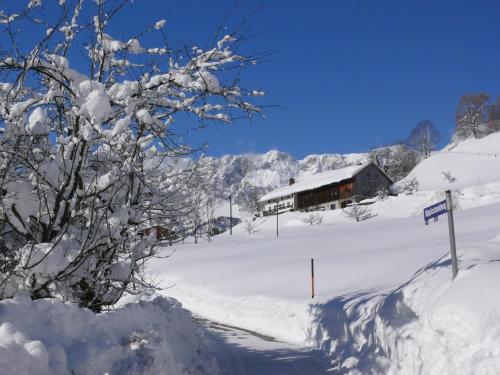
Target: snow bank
<point>428,325</point>
<point>287,321</point>
<point>472,162</point>
<point>147,337</point>
<point>458,326</point>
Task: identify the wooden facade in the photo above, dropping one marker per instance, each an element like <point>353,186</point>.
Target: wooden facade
<point>325,194</point>
<point>364,183</point>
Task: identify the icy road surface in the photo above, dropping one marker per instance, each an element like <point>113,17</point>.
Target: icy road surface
<point>250,353</point>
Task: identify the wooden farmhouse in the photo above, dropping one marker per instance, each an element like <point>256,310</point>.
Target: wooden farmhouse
<point>328,190</point>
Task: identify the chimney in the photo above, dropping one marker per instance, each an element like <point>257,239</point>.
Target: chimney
<point>291,181</point>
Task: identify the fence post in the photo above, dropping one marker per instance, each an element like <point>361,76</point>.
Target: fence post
<point>277,223</point>
<point>312,277</point>
<point>451,229</point>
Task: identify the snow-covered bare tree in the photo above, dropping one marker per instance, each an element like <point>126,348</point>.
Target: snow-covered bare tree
<point>357,212</point>
<point>472,116</point>
<point>250,225</point>
<point>86,141</point>
<point>210,206</point>
<point>424,138</point>
<point>201,200</point>
<point>248,198</point>
<point>196,208</point>
<point>396,160</point>
<point>494,116</point>
<point>382,157</point>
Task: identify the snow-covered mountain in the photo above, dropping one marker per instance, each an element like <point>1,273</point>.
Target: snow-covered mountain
<point>233,173</point>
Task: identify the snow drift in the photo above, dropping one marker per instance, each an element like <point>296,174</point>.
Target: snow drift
<point>428,325</point>
<point>48,337</point>
<point>472,162</point>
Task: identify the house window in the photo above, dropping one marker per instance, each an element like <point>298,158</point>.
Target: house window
<point>333,206</point>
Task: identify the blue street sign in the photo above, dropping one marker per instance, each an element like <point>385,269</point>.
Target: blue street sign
<point>434,211</point>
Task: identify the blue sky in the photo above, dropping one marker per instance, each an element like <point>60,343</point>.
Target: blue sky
<point>351,75</point>
<point>345,76</point>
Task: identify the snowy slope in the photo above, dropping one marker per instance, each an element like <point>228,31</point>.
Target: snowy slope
<point>385,303</point>
<point>366,285</point>
<point>472,162</point>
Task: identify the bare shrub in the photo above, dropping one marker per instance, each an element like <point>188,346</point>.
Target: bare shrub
<point>314,218</point>
<point>448,176</point>
<point>357,212</point>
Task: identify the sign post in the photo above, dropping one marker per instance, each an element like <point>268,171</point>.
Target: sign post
<point>434,212</point>
<point>451,229</point>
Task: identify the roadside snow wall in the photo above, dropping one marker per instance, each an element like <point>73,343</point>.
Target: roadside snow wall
<point>48,337</point>
<point>430,325</point>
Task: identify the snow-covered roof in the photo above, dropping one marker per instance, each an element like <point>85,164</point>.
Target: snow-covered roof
<point>315,181</point>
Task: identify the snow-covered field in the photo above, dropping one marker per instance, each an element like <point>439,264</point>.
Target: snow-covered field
<point>385,302</point>
<point>378,283</point>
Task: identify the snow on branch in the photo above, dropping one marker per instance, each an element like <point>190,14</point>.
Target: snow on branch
<point>88,146</point>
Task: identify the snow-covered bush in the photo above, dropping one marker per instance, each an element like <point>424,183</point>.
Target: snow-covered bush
<point>249,225</point>
<point>314,218</point>
<point>85,154</point>
<point>383,193</point>
<point>408,186</point>
<point>357,212</point>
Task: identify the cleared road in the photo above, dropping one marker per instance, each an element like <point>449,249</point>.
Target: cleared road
<point>249,353</point>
